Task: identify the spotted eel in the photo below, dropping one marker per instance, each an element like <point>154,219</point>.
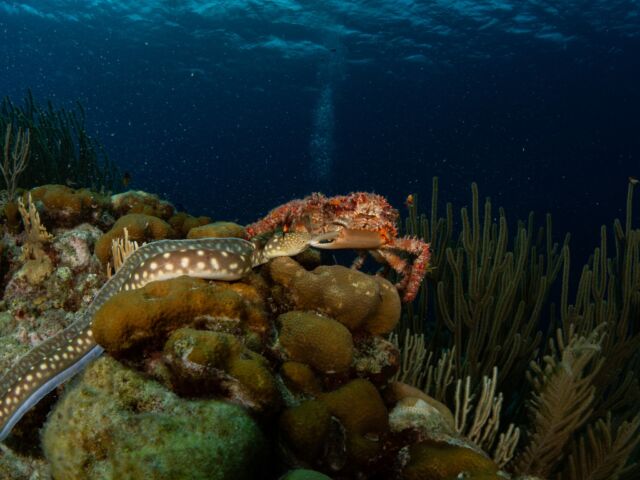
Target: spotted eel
<point>59,358</point>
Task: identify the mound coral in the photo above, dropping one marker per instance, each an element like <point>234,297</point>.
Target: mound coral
<point>441,461</point>
<point>141,202</point>
<point>142,228</point>
<point>149,314</point>
<point>362,418</point>
<point>360,409</point>
<point>218,230</point>
<point>316,340</point>
<point>353,298</point>
<point>182,222</point>
<point>303,474</point>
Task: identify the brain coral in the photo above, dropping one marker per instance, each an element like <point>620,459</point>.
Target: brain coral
<point>115,424</point>
<point>355,299</point>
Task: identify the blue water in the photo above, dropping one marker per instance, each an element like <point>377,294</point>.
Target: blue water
<point>232,107</point>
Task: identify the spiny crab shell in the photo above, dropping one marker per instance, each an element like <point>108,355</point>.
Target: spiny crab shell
<point>359,220</point>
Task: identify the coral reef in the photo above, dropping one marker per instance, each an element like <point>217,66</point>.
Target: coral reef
<point>299,370</point>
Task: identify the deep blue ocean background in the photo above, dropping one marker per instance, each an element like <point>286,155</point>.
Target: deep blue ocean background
<point>229,108</point>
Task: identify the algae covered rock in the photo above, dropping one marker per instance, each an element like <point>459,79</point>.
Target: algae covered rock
<point>304,474</point>
<point>115,424</point>
<point>17,467</point>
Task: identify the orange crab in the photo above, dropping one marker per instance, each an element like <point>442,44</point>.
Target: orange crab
<point>360,220</point>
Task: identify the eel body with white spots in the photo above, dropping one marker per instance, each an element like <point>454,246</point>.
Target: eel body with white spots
<point>59,358</point>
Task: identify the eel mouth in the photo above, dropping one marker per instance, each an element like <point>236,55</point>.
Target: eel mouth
<point>347,238</point>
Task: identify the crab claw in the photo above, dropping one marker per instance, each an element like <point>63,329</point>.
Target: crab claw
<point>348,238</point>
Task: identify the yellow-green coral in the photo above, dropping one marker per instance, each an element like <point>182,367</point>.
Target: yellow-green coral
<point>115,424</point>
<point>316,340</point>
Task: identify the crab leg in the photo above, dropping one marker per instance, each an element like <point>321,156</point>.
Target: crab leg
<point>351,239</point>
<point>416,271</point>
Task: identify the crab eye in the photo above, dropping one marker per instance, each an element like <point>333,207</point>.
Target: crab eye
<point>286,228</point>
